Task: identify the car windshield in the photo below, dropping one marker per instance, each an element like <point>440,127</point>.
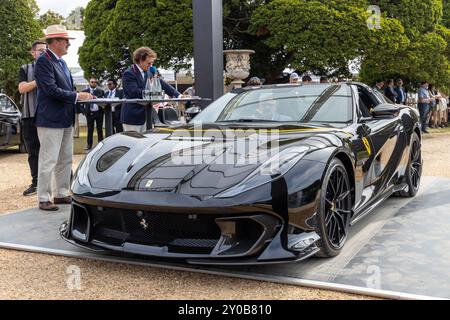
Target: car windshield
<point>303,104</point>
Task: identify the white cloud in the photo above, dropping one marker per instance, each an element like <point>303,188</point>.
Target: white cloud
<point>63,7</point>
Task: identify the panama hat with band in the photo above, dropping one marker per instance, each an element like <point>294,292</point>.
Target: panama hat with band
<point>57,31</point>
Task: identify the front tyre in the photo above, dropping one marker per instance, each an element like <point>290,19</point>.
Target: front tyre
<point>334,210</point>
<point>414,170</point>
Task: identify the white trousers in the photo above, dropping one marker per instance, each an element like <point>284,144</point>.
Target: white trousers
<point>129,127</point>
<point>55,158</point>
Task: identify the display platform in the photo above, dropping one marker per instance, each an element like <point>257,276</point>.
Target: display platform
<point>401,250</point>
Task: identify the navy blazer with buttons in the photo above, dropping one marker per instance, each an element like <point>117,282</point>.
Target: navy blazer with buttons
<point>133,84</point>
<point>400,92</point>
<point>56,94</point>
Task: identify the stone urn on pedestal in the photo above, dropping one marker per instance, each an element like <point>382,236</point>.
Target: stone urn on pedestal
<point>237,65</point>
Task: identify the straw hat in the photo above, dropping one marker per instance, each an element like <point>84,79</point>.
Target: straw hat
<point>57,31</point>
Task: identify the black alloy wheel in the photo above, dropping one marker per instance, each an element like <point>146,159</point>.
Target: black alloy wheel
<point>334,210</point>
<point>414,170</point>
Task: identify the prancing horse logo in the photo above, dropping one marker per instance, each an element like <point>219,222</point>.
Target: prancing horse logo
<point>144,224</point>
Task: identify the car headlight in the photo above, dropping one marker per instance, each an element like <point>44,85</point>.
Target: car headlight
<point>82,172</point>
<point>273,168</point>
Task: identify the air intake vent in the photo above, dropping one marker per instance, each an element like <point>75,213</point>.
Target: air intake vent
<point>110,157</point>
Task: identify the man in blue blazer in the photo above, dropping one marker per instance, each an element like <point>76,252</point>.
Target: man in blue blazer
<point>133,81</point>
<point>54,119</point>
<point>401,93</point>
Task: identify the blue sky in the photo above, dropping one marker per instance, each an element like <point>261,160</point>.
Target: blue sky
<point>63,7</point>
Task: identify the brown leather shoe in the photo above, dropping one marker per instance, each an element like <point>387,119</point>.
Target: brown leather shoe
<point>47,206</point>
<point>65,200</point>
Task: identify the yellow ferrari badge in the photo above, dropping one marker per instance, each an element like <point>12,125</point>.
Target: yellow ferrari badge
<point>367,145</point>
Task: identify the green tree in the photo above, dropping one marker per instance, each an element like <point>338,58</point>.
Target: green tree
<point>49,18</point>
<point>319,36</point>
<point>426,57</point>
<point>125,25</point>
<point>74,20</point>
<point>323,37</point>
<point>34,8</point>
<point>115,28</point>
<point>19,30</point>
<point>94,55</point>
<point>417,16</point>
<point>446,13</point>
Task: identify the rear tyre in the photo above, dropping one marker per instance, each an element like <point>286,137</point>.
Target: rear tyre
<point>414,170</point>
<point>334,210</point>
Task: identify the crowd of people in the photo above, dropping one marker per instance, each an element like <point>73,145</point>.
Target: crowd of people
<point>51,107</point>
<point>432,104</point>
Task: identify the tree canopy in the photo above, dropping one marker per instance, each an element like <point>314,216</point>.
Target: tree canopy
<point>446,13</point>
<point>115,28</point>
<point>49,18</point>
<point>19,30</point>
<point>324,37</point>
<point>426,56</point>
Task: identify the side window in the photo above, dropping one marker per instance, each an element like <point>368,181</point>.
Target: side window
<point>366,102</point>
<point>381,98</point>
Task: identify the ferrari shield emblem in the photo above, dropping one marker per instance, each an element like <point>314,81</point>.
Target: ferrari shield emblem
<point>367,145</point>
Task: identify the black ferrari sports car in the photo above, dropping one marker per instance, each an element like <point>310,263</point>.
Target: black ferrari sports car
<point>264,174</point>
<point>9,123</point>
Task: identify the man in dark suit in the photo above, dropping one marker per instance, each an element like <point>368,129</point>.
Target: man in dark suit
<point>114,93</point>
<point>401,93</point>
<point>54,119</point>
<point>134,81</point>
<point>94,113</point>
<point>389,91</point>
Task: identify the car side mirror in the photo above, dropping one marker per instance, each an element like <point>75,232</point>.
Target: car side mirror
<point>192,112</point>
<point>385,111</point>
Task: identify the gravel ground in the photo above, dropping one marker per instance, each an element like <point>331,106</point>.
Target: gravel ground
<point>37,276</point>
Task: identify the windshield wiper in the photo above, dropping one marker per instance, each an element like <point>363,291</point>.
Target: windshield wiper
<point>247,120</point>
